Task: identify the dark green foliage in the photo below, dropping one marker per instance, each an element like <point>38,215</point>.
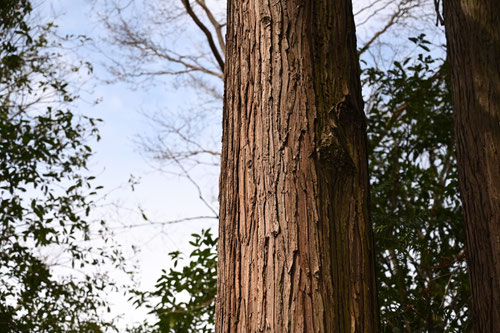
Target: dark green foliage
<point>186,297</point>
<point>423,283</point>
<point>45,198</point>
<point>419,234</point>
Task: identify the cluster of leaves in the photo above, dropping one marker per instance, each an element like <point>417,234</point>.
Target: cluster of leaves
<point>45,198</point>
<point>419,234</point>
<point>184,299</point>
<point>423,283</point>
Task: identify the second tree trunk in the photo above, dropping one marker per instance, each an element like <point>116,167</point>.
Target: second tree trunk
<point>473,35</point>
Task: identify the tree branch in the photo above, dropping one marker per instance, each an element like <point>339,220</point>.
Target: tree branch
<point>131,39</point>
<point>150,223</point>
<point>391,22</point>
<point>403,8</point>
<point>207,33</point>
<point>215,23</point>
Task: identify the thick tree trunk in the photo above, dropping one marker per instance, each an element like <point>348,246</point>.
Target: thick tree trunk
<point>295,239</point>
<point>473,34</point>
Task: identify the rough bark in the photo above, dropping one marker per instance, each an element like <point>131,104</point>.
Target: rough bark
<point>295,239</point>
<point>473,35</point>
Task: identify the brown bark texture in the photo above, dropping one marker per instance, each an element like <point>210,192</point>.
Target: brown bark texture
<point>295,240</point>
<point>473,35</point>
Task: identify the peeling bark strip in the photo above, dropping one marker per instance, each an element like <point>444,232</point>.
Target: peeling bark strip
<point>295,240</point>
<point>473,35</point>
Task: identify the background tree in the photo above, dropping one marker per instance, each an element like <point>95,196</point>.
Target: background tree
<point>45,194</point>
<point>473,48</point>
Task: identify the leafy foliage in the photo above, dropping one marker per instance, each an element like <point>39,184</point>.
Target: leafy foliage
<point>186,297</point>
<point>423,283</point>
<point>419,234</point>
<point>45,198</point>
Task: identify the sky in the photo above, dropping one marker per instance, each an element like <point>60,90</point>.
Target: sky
<point>162,196</point>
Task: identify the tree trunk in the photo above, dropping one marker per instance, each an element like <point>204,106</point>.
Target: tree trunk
<point>295,239</point>
<point>473,34</point>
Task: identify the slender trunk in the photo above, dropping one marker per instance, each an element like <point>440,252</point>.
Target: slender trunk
<point>295,239</point>
<point>473,34</point>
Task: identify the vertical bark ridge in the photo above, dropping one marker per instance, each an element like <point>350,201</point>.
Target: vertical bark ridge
<point>295,243</point>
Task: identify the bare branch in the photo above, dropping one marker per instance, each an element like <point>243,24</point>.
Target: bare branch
<point>215,23</point>
<point>200,193</point>
<point>179,141</point>
<point>367,7</point>
<point>132,39</point>
<point>401,11</point>
<point>207,33</point>
<point>185,219</point>
<point>390,23</point>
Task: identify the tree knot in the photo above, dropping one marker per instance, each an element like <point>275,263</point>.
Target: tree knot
<point>346,113</point>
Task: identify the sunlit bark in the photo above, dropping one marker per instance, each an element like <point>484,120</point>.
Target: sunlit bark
<point>295,241</point>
